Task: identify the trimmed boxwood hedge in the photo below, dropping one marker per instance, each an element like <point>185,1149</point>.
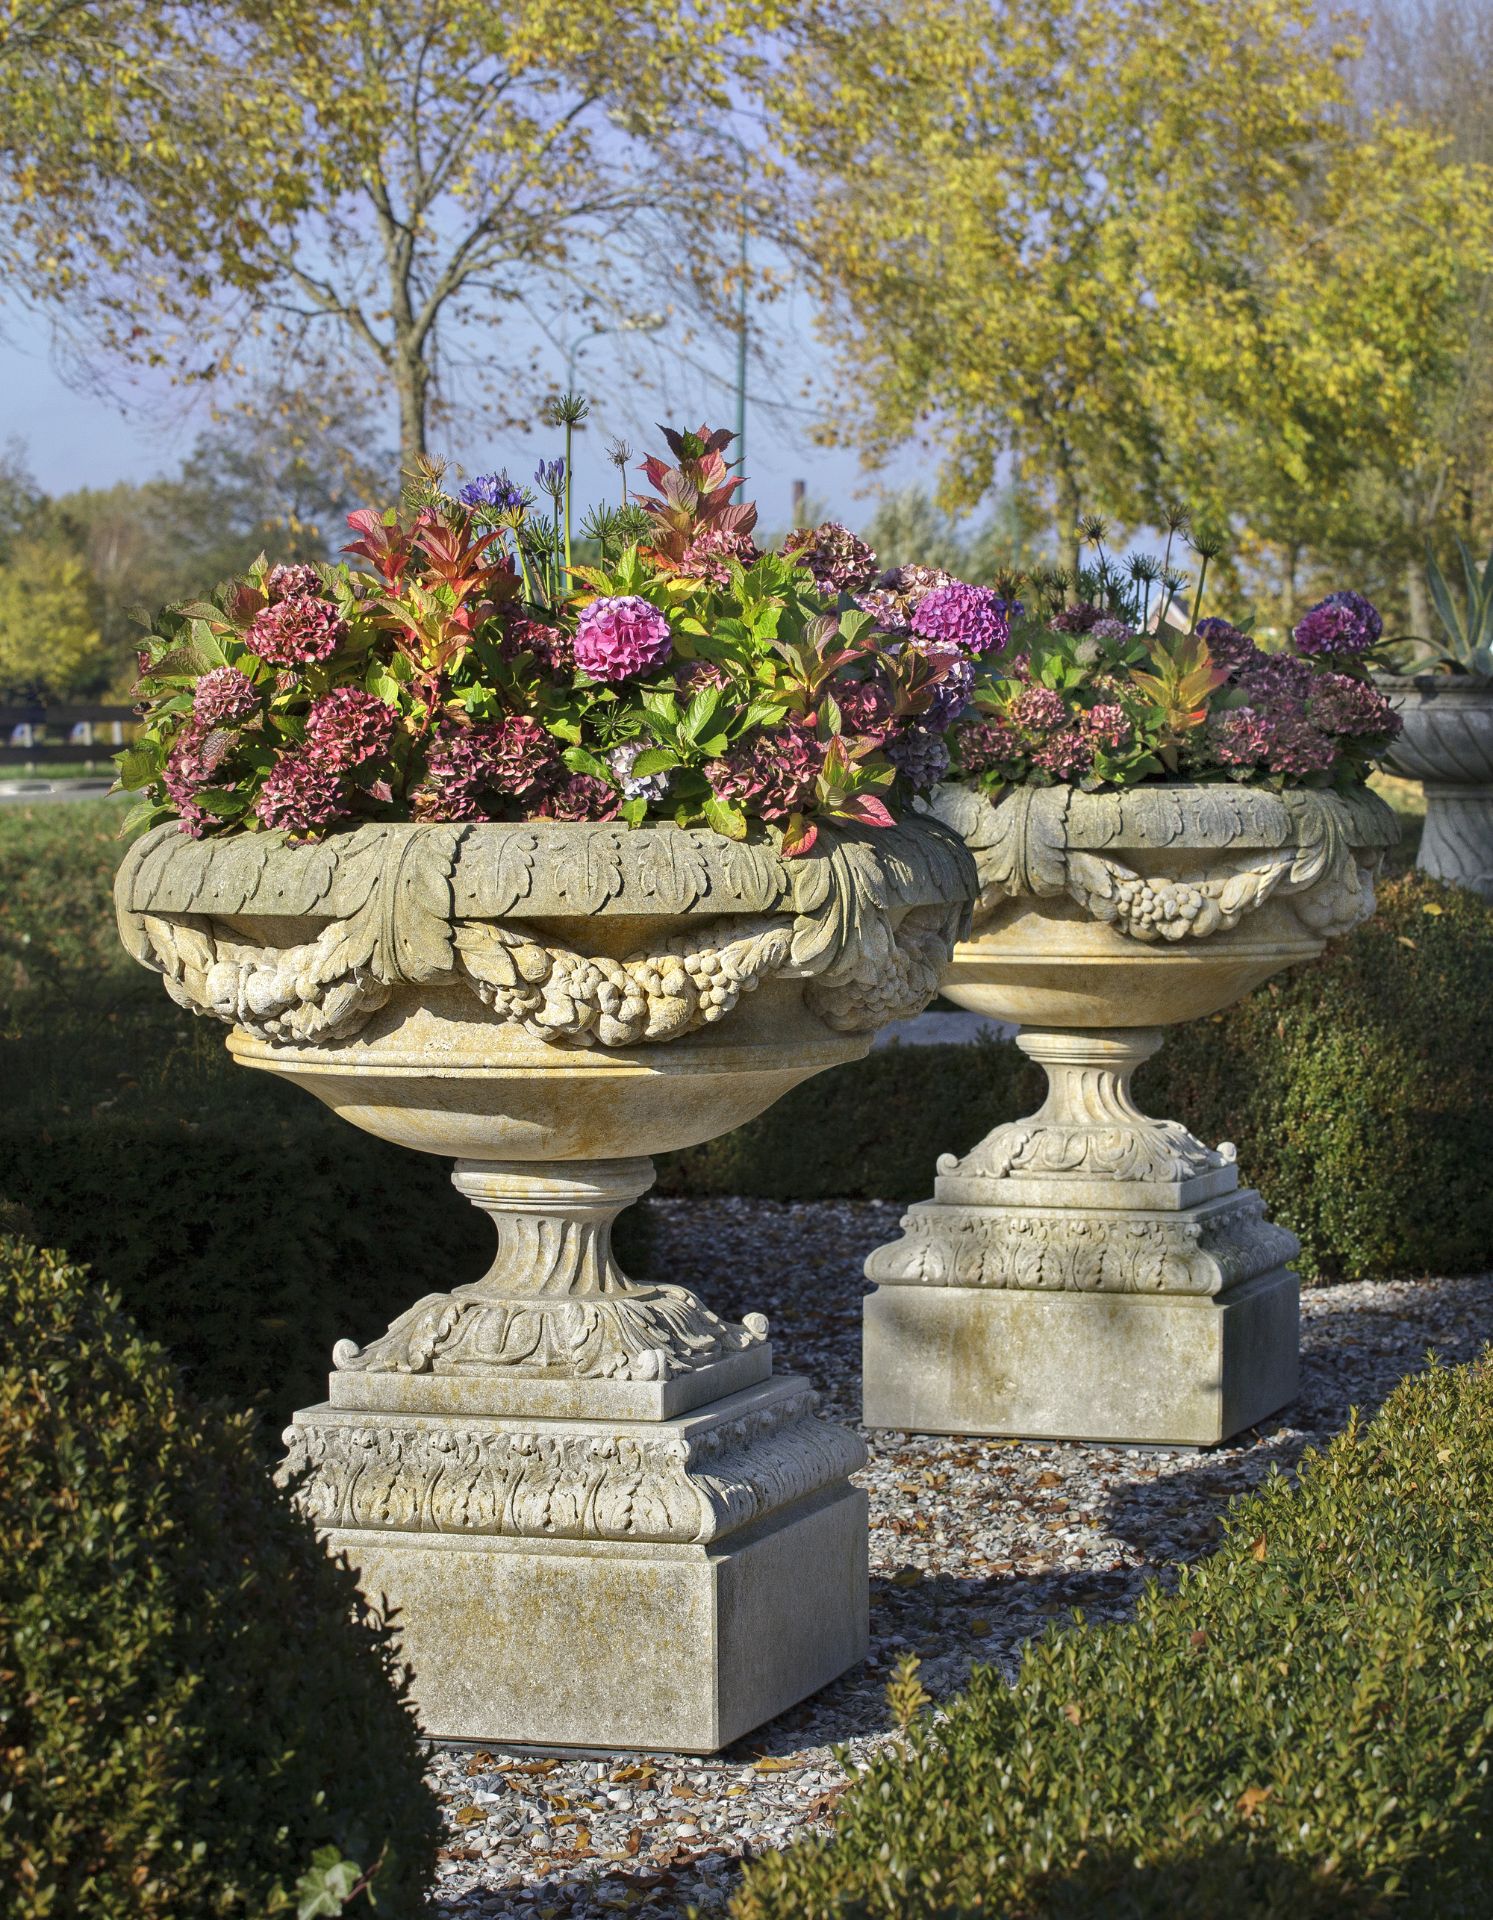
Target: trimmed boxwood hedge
<point>1302,1728</point>
<point>199,1716</point>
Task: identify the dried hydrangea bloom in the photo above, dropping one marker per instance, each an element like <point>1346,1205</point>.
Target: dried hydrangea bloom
<point>983,744</point>
<point>552,647</point>
<point>1066,754</point>
<point>866,706</point>
<point>1082,618</point>
<point>620,635</point>
<point>1105,725</point>
<point>1343,623</point>
<point>223,698</point>
<point>839,560</point>
<point>579,796</point>
<point>347,727</point>
<point>1040,709</point>
<point>706,556</point>
<point>1227,646</point>
<point>1340,704</point>
<point>959,615</point>
<point>291,579</point>
<point>773,774</point>
<point>299,632</point>
<point>301,795</point>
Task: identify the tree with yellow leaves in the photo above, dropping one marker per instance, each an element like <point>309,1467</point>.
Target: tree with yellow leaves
<point>377,185</point>
<point>1136,246</point>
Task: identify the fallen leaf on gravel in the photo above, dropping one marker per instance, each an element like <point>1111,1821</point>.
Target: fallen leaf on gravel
<point>770,1763</point>
<point>469,1816</point>
<point>1049,1479</point>
<point>633,1841</point>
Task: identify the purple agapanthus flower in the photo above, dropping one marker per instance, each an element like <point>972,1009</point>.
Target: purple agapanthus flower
<point>1343,623</point>
<point>494,490</point>
<point>549,476</point>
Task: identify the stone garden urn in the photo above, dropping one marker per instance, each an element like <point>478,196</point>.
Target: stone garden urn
<point>603,1520</point>
<point>1089,1272</point>
<point>1447,744</point>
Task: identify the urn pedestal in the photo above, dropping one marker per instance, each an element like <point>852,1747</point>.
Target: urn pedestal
<point>1447,744</point>
<point>601,1519</point>
<point>1091,1273</point>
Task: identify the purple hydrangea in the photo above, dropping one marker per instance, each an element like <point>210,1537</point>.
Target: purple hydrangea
<point>1227,646</point>
<point>494,490</point>
<point>919,755</point>
<point>290,580</point>
<point>951,694</point>
<point>579,796</point>
<point>1111,629</point>
<point>1240,737</point>
<point>772,775</point>
<point>866,706</point>
<point>885,608</point>
<point>1273,678</point>
<point>299,631</point>
<point>620,635</point>
<point>1066,754</point>
<point>982,744</point>
<point>347,727</point>
<point>1340,704</point>
<point>648,786</point>
<point>1343,623</point>
<point>301,795</point>
<point>838,559</point>
<point>223,697</point>
<point>1079,619</point>
<point>963,616</point>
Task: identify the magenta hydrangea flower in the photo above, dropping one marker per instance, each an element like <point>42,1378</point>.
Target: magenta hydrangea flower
<point>1105,725</point>
<point>196,755</point>
<point>1041,709</point>
<point>866,706</point>
<point>920,755</point>
<point>1340,704</point>
<point>347,727</point>
<point>579,796</point>
<point>518,754</point>
<point>963,616</point>
<point>301,795</point>
<point>772,775</point>
<point>621,635</point>
<point>291,579</point>
<point>706,555</point>
<point>982,744</point>
<point>299,632</point>
<point>223,697</point>
<point>1343,623</point>
<point>552,647</point>
<point>838,559</point>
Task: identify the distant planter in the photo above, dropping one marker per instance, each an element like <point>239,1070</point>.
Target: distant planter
<point>1089,1272</point>
<point>556,1454</point>
<point>1447,745</point>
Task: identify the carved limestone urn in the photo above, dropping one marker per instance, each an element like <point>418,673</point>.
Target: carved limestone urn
<point>1447,744</point>
<point>603,1520</point>
<point>1089,1272</point>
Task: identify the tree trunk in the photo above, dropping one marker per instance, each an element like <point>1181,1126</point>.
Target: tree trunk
<point>1069,508</point>
<point>1416,601</point>
<point>412,383</point>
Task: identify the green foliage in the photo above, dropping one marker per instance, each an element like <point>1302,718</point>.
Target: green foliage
<point>198,1713</point>
<point>1468,629</point>
<point>50,645</point>
<point>1302,1728</point>
<point>1356,1089</point>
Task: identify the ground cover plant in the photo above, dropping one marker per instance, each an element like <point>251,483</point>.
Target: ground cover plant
<point>1302,1727</point>
<point>159,1755</point>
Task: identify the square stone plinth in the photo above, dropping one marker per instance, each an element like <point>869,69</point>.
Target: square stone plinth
<point>587,1643</point>
<point>1182,1369</point>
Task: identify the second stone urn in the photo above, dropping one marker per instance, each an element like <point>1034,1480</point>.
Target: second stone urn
<point>602,1519</point>
<point>1089,1272</point>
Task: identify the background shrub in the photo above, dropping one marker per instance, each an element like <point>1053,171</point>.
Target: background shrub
<point>197,1710</point>
<point>1302,1728</point>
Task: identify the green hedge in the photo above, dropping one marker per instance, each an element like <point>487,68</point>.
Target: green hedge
<point>1357,1089</point>
<point>1303,1727</point>
<point>198,1715</point>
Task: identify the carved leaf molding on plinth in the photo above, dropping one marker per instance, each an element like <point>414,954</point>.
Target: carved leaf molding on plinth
<point>867,921</point>
<point>1139,1149</point>
<point>446,1475</point>
<point>1317,850</point>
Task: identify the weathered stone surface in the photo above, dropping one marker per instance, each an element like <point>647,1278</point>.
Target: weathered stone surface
<point>1189,1370</point>
<point>1447,745</point>
<point>1088,1228</point>
<point>601,1521</point>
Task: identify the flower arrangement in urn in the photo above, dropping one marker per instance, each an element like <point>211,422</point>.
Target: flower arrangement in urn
<point>1163,813</point>
<point>473,667</point>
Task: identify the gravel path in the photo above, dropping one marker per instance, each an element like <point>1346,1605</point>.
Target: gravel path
<point>975,1545</point>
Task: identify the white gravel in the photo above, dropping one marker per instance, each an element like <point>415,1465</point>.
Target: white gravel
<point>975,1545</point>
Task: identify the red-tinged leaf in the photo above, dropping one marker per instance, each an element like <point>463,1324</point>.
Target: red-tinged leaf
<point>866,808</point>
<point>798,836</point>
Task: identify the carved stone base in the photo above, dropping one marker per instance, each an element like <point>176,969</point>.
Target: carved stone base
<point>1188,1370</point>
<point>628,1583</point>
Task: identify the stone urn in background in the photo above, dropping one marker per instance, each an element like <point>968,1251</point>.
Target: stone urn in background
<point>1089,1272</point>
<point>603,1521</point>
<point>1447,744</point>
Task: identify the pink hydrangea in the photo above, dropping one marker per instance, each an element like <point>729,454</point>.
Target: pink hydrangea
<point>865,706</point>
<point>291,579</point>
<point>772,775</point>
<point>959,615</point>
<point>1340,704</point>
<point>1066,754</point>
<point>982,744</point>
<point>1040,709</point>
<point>552,647</point>
<point>621,635</point>
<point>299,632</point>
<point>192,764</point>
<point>223,697</point>
<point>347,727</point>
<point>1105,725</point>
<point>579,796</point>
<point>302,795</point>
<point>706,556</point>
<point>470,770</point>
<point>838,559</point>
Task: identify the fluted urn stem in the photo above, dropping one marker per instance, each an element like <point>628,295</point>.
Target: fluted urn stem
<point>554,1224</point>
<point>1088,1074</point>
